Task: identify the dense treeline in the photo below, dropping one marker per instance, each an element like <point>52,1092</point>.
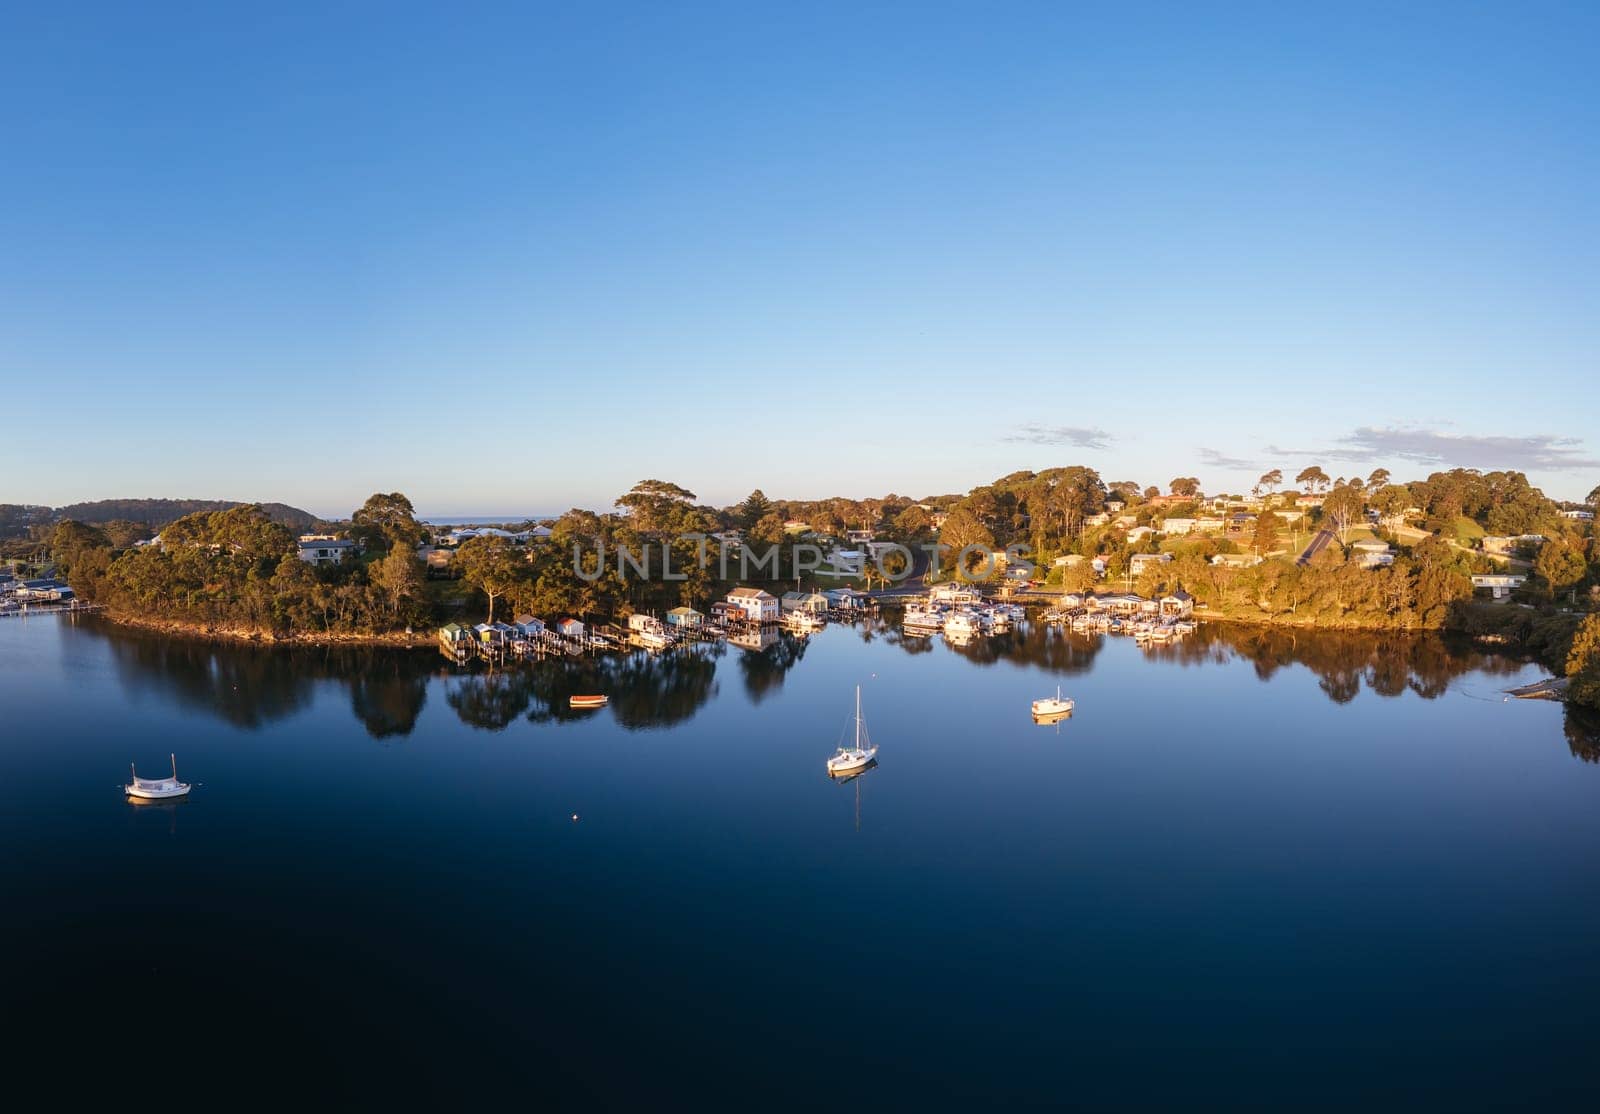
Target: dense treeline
<point>237,565</point>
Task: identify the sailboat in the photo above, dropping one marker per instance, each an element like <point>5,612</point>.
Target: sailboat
<point>157,788</point>
<point>849,760</point>
<point>1052,707</point>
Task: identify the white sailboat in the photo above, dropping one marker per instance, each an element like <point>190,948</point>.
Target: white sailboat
<point>851,759</point>
<point>1053,706</point>
<point>157,788</point>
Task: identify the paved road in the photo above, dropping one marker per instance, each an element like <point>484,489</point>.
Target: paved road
<point>1318,544</point>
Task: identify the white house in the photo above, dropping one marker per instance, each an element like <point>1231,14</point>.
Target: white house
<point>1580,516</point>
<point>330,551</point>
<point>1178,526</point>
<point>1139,533</point>
<point>1371,553</point>
<point>755,605</point>
<point>955,593</point>
<point>1499,584</point>
<point>1140,562</point>
<point>1179,604</point>
<point>814,602</point>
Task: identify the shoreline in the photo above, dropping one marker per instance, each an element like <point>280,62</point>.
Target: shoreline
<point>249,636</point>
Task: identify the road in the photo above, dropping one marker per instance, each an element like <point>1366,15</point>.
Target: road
<point>1318,544</point>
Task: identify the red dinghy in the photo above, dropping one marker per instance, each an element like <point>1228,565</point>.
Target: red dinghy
<point>587,702</point>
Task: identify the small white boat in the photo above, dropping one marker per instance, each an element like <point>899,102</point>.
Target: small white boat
<point>1053,706</point>
<point>157,788</point>
<point>849,760</point>
<point>923,619</point>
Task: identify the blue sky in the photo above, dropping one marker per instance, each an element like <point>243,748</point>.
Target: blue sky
<point>514,258</point>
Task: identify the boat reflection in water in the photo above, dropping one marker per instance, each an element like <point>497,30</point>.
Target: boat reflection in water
<point>855,776</point>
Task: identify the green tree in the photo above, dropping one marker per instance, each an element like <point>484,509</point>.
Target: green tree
<point>1186,486</point>
<point>1583,663</point>
<point>1379,477</point>
<point>1312,479</point>
<point>1344,506</point>
<point>1559,564</point>
<point>386,521</point>
<point>755,507</point>
<point>1267,528</point>
<point>489,564</point>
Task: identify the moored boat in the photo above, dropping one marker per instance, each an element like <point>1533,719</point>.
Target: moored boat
<point>1053,706</point>
<point>852,759</point>
<point>157,788</point>
<point>586,701</point>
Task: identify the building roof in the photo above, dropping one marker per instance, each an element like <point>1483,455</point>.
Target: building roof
<point>336,543</point>
<point>751,594</point>
<point>680,610</point>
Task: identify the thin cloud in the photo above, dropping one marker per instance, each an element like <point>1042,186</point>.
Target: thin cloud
<point>1078,437</point>
<point>1216,459</point>
<point>1535,452</point>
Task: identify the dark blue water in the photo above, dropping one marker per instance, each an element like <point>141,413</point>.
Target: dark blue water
<point>1254,871</point>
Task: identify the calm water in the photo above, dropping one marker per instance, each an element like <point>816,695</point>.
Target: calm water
<point>1267,872</point>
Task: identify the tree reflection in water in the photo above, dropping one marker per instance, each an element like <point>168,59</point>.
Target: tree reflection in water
<point>765,669</point>
<point>249,686</point>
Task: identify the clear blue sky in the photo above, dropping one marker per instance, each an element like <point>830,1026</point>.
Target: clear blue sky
<point>514,258</point>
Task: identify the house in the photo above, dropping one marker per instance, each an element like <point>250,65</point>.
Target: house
<point>494,634</point>
<point>846,599</point>
<point>1178,605</point>
<point>435,557</point>
<point>570,628</point>
<point>1580,516</point>
<point>1305,502</point>
<point>1126,602</point>
<point>685,617</point>
<point>955,593</point>
<point>841,563</point>
<point>1236,560</point>
<point>1178,526</point>
<point>1068,560</point>
<point>1238,522</point>
<point>325,551</point>
<point>1097,519</point>
<point>858,537</point>
<point>1499,584</point>
<point>1072,599</point>
<point>754,605</point>
<point>1208,524</point>
<point>45,589</point>
<point>1139,533</point>
<point>1506,546</point>
<point>530,626</point>
<point>1289,517</point>
<point>796,526</point>
<point>1371,553</point>
<point>1126,521</point>
<point>532,534</point>
<point>1115,505</point>
<point>640,623</point>
<point>455,638</point>
<point>814,602</point>
<point>1141,562</point>
<point>1098,564</point>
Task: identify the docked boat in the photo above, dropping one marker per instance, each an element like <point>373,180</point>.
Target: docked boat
<point>157,788</point>
<point>924,619</point>
<point>1053,706</point>
<point>586,702</point>
<point>962,624</point>
<point>804,622</point>
<point>852,759</point>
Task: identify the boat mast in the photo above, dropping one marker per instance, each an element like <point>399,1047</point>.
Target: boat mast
<point>858,717</point>
<point>174,758</point>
